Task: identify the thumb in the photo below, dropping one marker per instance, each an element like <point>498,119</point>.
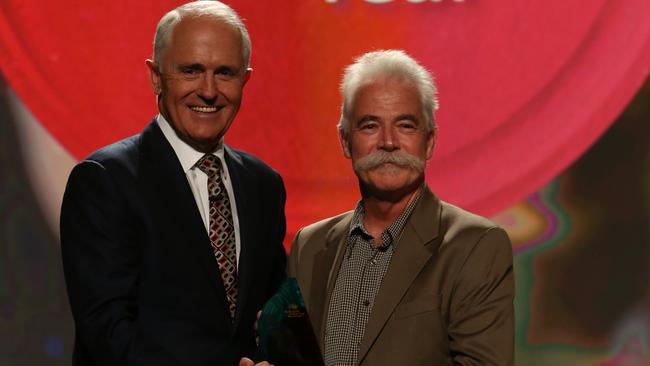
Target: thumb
<point>245,361</point>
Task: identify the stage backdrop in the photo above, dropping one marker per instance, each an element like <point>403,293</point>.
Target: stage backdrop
<point>525,88</point>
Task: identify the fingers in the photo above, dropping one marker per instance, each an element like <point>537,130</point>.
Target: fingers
<point>259,314</point>
<point>245,361</point>
<point>257,335</point>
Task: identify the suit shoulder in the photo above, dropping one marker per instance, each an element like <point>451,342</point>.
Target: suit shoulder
<point>118,161</point>
<point>456,216</point>
<point>461,226</point>
<point>123,153</point>
<point>320,228</point>
<point>310,240</point>
<point>251,162</point>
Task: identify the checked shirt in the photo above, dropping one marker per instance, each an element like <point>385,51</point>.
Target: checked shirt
<point>357,283</point>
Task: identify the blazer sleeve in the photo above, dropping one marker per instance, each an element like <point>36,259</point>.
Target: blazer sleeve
<point>278,270</point>
<point>481,318</point>
<point>101,261</point>
<point>294,256</point>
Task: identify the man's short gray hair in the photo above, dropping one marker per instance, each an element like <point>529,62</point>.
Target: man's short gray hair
<point>387,63</point>
<point>202,8</point>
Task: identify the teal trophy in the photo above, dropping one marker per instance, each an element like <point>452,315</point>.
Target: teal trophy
<point>286,335</point>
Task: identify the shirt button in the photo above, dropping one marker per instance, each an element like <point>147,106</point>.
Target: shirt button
<point>366,302</point>
<point>373,261</point>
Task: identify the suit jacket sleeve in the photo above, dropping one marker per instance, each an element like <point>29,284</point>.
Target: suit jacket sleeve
<point>279,268</point>
<point>294,256</point>
<point>101,258</point>
<point>481,319</point>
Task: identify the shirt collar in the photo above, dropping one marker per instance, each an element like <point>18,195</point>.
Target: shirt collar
<point>357,219</point>
<point>390,235</point>
<point>187,155</point>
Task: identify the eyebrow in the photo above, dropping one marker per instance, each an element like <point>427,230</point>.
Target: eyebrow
<point>401,117</point>
<point>366,118</point>
<point>407,116</point>
<point>194,66</point>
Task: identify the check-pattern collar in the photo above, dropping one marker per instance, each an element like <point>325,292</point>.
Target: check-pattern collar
<point>391,234</point>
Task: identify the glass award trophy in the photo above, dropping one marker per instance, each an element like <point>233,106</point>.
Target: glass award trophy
<point>285,331</point>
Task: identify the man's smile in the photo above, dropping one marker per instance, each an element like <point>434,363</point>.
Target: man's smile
<point>205,109</point>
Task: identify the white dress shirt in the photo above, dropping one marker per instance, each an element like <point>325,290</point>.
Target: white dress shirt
<point>198,180</point>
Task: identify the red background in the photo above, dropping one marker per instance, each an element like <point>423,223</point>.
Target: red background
<point>525,87</point>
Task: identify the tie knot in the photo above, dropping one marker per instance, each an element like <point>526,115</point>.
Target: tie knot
<point>209,164</point>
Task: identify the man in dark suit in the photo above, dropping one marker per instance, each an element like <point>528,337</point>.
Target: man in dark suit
<point>405,278</point>
<point>171,240</point>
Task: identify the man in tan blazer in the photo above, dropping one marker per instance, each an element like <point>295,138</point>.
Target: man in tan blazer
<point>405,278</point>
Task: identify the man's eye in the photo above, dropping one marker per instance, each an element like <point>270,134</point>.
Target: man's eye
<point>189,72</point>
<point>408,126</point>
<point>225,71</point>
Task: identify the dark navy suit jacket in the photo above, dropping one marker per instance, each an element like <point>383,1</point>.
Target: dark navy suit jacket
<point>143,283</point>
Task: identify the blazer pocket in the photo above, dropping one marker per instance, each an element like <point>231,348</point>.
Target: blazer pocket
<point>417,307</point>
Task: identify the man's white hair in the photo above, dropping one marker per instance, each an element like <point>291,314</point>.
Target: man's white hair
<point>387,64</point>
<point>202,8</point>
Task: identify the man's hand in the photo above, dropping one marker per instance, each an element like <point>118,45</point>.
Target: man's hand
<point>257,335</point>
<point>245,361</point>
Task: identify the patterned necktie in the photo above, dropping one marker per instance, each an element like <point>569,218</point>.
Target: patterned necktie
<point>222,229</point>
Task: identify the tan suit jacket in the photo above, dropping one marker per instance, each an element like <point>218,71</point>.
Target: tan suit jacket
<point>446,298</point>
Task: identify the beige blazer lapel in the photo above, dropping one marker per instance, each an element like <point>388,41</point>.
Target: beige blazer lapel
<point>326,266</point>
<point>413,251</point>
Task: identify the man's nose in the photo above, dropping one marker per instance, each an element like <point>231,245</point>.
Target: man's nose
<point>388,140</point>
<point>208,88</point>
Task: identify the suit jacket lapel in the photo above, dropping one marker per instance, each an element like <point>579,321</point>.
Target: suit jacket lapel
<point>413,251</point>
<point>242,192</point>
<point>326,266</point>
<point>175,196</point>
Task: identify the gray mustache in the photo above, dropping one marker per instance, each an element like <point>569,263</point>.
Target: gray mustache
<point>380,157</point>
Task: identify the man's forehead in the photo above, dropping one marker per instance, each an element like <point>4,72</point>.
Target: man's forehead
<point>197,37</point>
<point>383,85</point>
<point>386,93</point>
<point>196,27</point>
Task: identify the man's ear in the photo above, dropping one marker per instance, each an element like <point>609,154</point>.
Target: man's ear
<point>154,77</point>
<point>247,75</point>
<point>431,142</point>
<point>345,143</point>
